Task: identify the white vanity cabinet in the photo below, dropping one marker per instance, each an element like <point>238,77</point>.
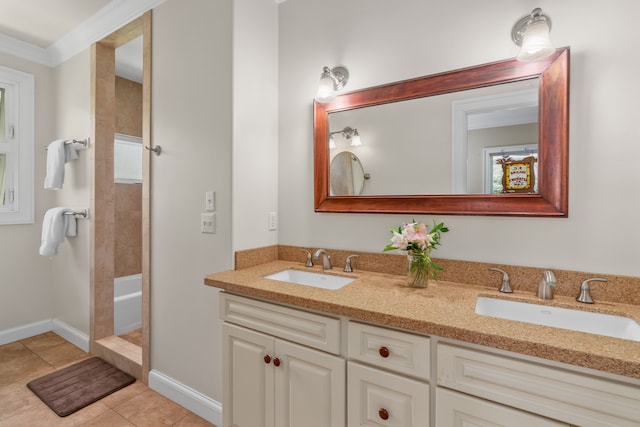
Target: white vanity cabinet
<point>272,382</point>
<point>287,367</point>
<point>573,398</point>
<point>387,377</point>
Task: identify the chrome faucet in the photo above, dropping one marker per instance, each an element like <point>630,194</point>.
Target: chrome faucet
<point>326,259</point>
<point>545,288</point>
<point>584,295</point>
<point>505,287</point>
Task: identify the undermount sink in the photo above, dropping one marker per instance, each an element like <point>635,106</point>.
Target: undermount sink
<point>564,318</point>
<point>308,278</point>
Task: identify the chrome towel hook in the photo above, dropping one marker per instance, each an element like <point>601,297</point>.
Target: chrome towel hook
<point>157,149</point>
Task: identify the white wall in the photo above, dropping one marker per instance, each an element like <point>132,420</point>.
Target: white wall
<point>26,287</point>
<point>382,42</point>
<point>191,120</point>
<point>70,268</point>
<point>255,122</point>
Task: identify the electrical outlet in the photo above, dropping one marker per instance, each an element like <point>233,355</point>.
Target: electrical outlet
<point>273,221</point>
<point>208,222</point>
<point>210,201</point>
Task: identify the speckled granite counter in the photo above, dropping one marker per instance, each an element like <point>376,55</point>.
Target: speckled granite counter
<point>444,309</point>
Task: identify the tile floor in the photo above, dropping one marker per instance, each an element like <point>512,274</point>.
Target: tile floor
<point>24,360</point>
<point>134,337</point>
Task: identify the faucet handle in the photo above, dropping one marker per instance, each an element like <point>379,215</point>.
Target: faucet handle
<point>347,267</point>
<point>547,283</point>
<point>309,262</point>
<point>506,286</point>
<point>585,295</point>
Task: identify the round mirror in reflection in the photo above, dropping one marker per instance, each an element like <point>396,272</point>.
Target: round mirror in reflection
<point>347,175</point>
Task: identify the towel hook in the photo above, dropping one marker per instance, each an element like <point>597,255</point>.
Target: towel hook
<point>157,149</point>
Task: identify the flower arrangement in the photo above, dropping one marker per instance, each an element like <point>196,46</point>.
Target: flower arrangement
<point>418,241</point>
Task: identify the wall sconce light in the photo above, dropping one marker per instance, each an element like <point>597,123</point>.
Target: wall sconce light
<point>531,32</point>
<point>348,134</point>
<point>331,80</point>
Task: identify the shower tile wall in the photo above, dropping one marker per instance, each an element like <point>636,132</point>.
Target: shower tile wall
<point>128,197</point>
<point>128,250</point>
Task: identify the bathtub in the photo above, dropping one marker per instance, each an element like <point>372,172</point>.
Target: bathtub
<point>127,303</point>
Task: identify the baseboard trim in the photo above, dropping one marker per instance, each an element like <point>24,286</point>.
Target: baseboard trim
<point>71,334</point>
<point>191,399</point>
<point>25,331</point>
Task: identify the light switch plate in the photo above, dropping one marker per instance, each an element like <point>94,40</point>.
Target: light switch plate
<point>210,201</point>
<point>208,222</point>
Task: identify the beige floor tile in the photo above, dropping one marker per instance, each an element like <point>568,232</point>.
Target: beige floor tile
<point>108,419</point>
<point>192,420</point>
<point>62,355</point>
<point>23,364</point>
<point>36,416</point>
<point>25,360</point>
<point>16,398</point>
<point>151,409</point>
<point>134,337</point>
<point>43,341</point>
<point>11,351</point>
<point>125,394</point>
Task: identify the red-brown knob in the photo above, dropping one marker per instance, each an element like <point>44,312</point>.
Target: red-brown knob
<point>267,359</point>
<point>276,361</point>
<point>384,351</point>
<point>383,414</point>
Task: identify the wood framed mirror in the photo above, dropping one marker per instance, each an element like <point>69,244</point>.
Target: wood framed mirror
<point>551,198</point>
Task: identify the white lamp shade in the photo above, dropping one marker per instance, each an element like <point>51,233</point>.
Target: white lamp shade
<point>355,139</point>
<point>326,93</point>
<point>535,42</point>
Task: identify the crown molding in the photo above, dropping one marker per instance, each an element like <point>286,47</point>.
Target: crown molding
<point>104,22</point>
<point>23,50</point>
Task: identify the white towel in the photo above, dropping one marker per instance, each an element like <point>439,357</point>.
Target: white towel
<point>56,225</point>
<point>59,153</point>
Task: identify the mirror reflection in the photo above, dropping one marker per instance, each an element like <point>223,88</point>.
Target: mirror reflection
<point>347,175</point>
<point>444,144</point>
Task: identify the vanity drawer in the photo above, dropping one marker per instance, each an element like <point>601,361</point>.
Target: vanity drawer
<point>560,394</point>
<point>380,398</point>
<point>397,351</point>
<point>457,409</point>
<point>310,329</point>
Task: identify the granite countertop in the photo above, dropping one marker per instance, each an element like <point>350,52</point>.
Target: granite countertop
<point>444,309</point>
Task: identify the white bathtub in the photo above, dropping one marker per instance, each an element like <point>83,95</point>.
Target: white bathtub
<point>127,303</point>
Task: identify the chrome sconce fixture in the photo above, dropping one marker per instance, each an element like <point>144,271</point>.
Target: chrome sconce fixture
<point>531,33</point>
<point>348,134</point>
<point>331,80</point>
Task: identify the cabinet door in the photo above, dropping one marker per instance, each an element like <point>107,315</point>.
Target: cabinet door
<point>379,398</point>
<point>310,387</point>
<point>459,410</point>
<point>248,382</point>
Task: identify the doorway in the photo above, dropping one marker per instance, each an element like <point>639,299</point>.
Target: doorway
<point>127,356</point>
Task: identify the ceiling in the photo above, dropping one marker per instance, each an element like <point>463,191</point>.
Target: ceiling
<point>43,22</point>
<point>51,31</point>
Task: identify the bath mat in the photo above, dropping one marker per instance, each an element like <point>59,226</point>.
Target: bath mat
<point>76,386</point>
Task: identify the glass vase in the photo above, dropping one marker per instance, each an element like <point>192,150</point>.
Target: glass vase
<point>418,272</point>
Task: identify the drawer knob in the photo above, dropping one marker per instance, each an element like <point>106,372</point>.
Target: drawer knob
<point>384,351</point>
<point>276,361</point>
<point>267,359</point>
<point>383,414</point>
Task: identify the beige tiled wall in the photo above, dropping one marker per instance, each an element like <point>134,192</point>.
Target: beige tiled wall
<point>128,229</point>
